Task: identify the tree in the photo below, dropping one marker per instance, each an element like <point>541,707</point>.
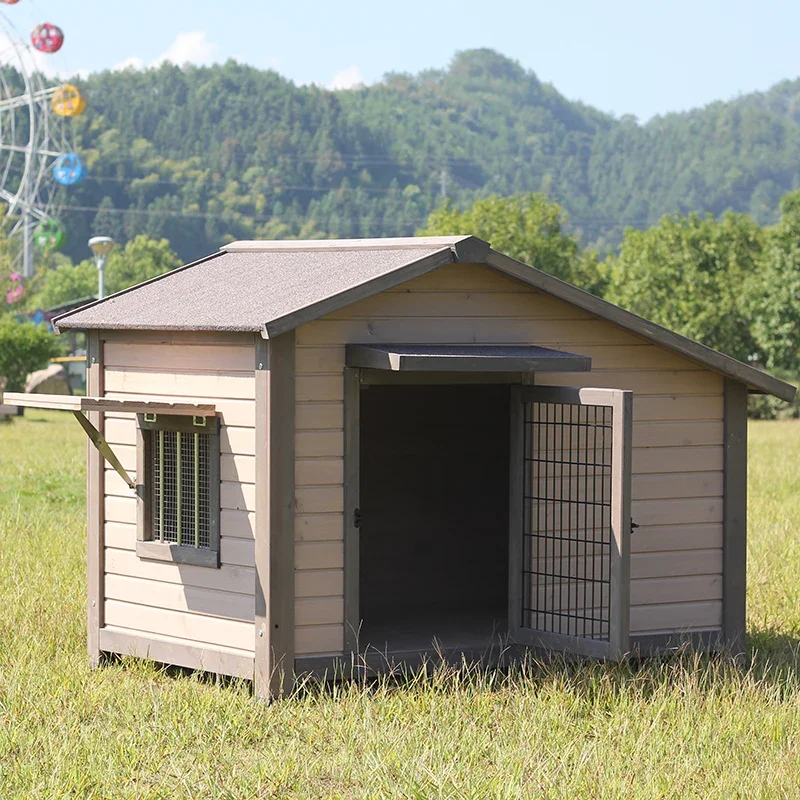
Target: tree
<point>140,260</point>
<point>693,275</point>
<point>63,284</point>
<point>527,227</point>
<point>24,347</point>
<point>775,298</point>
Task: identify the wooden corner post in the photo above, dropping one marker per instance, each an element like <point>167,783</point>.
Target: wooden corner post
<point>95,501</point>
<point>734,518</point>
<point>274,531</point>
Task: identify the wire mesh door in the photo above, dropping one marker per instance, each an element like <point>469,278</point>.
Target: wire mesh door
<point>570,519</point>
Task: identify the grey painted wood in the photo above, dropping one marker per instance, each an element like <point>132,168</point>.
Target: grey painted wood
<point>274,552</point>
<point>516,474</point>
<point>177,654</point>
<point>653,644</point>
<point>380,377</point>
<point>164,551</point>
<point>347,245</point>
<point>95,490</point>
<point>695,351</point>
<point>360,292</point>
<point>178,337</point>
<point>734,517</point>
<point>352,486</point>
<point>463,358</point>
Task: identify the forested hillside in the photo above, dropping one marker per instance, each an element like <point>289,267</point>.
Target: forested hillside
<point>204,155</point>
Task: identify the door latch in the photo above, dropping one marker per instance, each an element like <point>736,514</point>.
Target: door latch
<point>356,517</point>
<point>634,526</point>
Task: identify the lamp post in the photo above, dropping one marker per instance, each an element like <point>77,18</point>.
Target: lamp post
<point>101,246</point>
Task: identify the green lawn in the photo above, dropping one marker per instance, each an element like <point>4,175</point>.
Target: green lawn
<point>682,727</point>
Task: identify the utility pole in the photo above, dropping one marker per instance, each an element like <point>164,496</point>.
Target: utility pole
<point>27,256</point>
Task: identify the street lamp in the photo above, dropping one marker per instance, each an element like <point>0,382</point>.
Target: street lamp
<point>101,246</point>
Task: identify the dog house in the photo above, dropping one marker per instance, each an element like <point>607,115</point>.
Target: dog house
<point>304,452</point>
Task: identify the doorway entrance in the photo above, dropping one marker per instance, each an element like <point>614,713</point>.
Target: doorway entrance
<point>434,516</point>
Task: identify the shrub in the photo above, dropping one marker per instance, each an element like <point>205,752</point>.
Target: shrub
<point>24,347</point>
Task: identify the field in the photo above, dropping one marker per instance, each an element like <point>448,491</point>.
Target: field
<point>683,727</point>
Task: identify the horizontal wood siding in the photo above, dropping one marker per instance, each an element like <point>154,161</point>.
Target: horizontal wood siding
<point>677,458</point>
<point>202,606</point>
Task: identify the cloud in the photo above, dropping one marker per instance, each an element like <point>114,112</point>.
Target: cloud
<point>347,78</point>
<point>191,47</point>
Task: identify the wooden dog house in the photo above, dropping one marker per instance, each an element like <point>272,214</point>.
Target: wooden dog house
<point>327,448</point>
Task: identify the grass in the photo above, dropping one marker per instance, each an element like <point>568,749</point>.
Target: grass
<point>688,726</point>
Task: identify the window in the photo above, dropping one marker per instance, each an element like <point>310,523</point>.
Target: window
<point>178,461</point>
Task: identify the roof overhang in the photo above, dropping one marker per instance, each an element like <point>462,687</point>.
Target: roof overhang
<point>463,358</point>
<point>68,402</point>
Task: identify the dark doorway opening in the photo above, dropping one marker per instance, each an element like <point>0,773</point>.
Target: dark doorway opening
<point>434,490</point>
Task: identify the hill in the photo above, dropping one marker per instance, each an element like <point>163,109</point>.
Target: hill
<point>204,155</point>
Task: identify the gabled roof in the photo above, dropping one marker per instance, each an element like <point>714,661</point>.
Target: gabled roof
<point>274,287</point>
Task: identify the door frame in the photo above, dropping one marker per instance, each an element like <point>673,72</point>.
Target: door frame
<point>621,402</point>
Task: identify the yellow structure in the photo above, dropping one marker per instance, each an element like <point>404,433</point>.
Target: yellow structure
<point>68,101</point>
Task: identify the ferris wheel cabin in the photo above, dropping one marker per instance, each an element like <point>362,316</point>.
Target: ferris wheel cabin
<point>347,455</point>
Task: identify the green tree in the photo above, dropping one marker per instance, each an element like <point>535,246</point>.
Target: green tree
<point>24,347</point>
<point>140,260</point>
<point>693,275</point>
<point>527,227</point>
<point>63,284</point>
<point>775,298</point>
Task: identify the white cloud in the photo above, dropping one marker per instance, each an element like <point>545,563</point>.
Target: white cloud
<point>191,47</point>
<point>347,78</point>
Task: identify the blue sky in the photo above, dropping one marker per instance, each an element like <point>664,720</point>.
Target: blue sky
<point>623,56</point>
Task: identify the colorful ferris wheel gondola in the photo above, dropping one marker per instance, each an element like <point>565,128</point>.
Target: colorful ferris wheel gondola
<point>68,101</point>
<point>47,38</point>
<point>68,169</point>
<point>50,235</point>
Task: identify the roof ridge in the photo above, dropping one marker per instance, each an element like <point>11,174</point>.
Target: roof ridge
<point>341,245</point>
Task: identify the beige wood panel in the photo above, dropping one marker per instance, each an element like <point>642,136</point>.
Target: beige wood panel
<point>465,278</point>
<point>547,333</point>
<point>233,469</point>
<point>677,434</point>
<point>223,385</point>
<point>677,512</point>
<point>319,583</point>
<point>319,640</point>
<point>676,563</point>
<point>238,496</point>
<point>238,441</point>
<point>677,459</point>
<point>658,538</point>
<point>239,413</point>
<point>439,305</point>
<point>318,555</point>
<point>194,627</point>
<point>180,357</point>
<point>319,611</point>
<point>238,469</point>
<point>319,444</point>
<point>642,382</point>
<point>213,338</point>
<point>320,360</point>
<point>676,617</point>
<point>318,527</point>
<point>696,588</point>
<point>667,408</point>
<point>319,416</point>
<point>120,509</point>
<point>227,578</point>
<point>676,485</point>
<point>319,388</point>
<point>319,499</point>
<point>319,472</point>
<point>237,524</point>
<point>176,597</point>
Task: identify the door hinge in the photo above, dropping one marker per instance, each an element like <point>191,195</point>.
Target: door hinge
<point>356,517</point>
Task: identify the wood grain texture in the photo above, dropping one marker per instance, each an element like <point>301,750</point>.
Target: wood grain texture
<point>95,503</point>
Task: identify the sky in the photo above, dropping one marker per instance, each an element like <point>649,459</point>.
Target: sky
<point>622,56</point>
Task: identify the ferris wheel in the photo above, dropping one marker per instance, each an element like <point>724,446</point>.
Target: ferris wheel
<point>35,154</point>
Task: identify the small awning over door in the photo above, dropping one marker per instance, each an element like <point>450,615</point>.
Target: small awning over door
<point>464,358</point>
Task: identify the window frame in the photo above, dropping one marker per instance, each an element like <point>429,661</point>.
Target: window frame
<point>146,546</point>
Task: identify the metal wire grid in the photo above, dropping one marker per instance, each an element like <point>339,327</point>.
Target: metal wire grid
<point>567,519</point>
<point>181,480</point>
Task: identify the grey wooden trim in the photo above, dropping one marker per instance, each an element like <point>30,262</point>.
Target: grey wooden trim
<point>359,292</point>
<point>380,377</point>
<point>734,516</point>
<point>542,640</point>
<point>95,489</point>
<point>144,456</point>
<point>643,645</point>
<point>148,336</point>
<point>352,489</point>
<point>349,245</point>
<point>275,410</point>
<point>516,477</point>
<point>179,655</point>
<point>641,327</point>
<point>178,554</point>
<point>58,321</point>
<point>471,250</point>
<point>393,358</point>
<point>180,422</point>
<point>261,678</point>
<point>621,457</point>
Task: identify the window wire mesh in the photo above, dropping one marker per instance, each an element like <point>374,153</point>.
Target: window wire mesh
<point>181,482</point>
<point>567,519</point>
